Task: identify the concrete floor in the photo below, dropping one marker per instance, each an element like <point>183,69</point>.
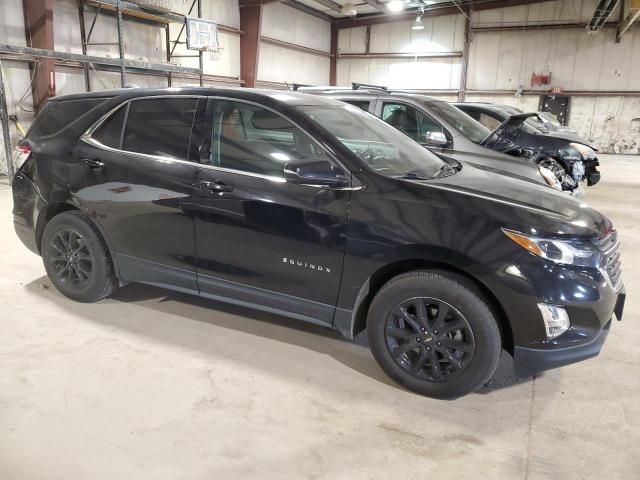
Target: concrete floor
<point>154,384</point>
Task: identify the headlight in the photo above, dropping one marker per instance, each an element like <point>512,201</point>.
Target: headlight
<point>587,153</point>
<point>564,252</point>
<point>550,178</point>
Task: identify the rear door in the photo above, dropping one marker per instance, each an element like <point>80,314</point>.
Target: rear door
<point>134,174</point>
<point>262,241</point>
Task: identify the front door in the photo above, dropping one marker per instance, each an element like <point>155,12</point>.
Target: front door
<point>412,122</point>
<point>261,241</point>
<point>133,174</point>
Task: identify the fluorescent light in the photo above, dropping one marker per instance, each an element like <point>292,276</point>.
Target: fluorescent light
<point>396,6</point>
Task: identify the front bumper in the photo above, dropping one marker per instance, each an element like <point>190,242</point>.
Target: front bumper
<point>588,298</point>
<point>529,361</point>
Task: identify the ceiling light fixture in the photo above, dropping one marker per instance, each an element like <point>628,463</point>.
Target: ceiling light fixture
<point>349,9</point>
<point>417,24</point>
<point>395,6</point>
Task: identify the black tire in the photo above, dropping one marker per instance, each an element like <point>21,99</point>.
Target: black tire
<point>76,259</point>
<point>467,323</point>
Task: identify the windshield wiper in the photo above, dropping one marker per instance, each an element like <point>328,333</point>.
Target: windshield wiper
<point>413,175</point>
<point>444,171</point>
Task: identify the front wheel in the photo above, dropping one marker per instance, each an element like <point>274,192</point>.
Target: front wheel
<point>433,334</point>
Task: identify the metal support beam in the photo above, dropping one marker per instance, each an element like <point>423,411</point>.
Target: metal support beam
<point>301,7</point>
<point>123,70</point>
<point>83,40</point>
<point>250,23</point>
<point>377,5</point>
<point>4,123</point>
<point>436,10</point>
<point>465,58</point>
<point>41,53</point>
<point>333,60</point>
<point>331,5</point>
<point>632,15</point>
<point>38,16</point>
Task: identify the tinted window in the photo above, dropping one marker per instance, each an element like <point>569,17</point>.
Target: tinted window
<point>489,121</point>
<point>160,126</point>
<point>256,140</point>
<point>110,132</point>
<point>409,120</point>
<point>58,114</point>
<point>463,123</point>
<point>380,146</point>
<point>363,104</point>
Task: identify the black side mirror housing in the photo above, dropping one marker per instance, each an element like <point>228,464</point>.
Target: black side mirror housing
<point>315,172</point>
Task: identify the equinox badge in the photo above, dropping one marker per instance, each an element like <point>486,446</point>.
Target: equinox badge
<point>302,264</point>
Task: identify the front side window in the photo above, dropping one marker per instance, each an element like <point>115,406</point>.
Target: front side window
<point>160,126</point>
<point>363,104</point>
<point>488,121</point>
<point>410,120</point>
<point>253,139</point>
<point>467,126</point>
<point>381,147</point>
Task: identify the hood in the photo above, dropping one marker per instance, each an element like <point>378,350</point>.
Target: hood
<point>522,205</point>
<point>498,163</point>
<point>570,137</point>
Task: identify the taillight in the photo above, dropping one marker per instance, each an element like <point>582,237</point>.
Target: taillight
<point>20,155</point>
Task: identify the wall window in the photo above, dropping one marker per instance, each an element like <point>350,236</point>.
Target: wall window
<point>409,120</point>
<point>253,139</point>
<point>160,126</point>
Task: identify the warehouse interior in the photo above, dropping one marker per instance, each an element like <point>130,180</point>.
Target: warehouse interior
<point>152,383</point>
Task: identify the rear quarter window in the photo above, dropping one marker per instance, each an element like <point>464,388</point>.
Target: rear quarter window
<point>60,113</point>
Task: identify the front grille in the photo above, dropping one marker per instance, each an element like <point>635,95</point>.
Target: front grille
<point>609,245</point>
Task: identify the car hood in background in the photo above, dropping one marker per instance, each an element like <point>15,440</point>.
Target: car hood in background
<point>570,137</point>
<point>498,163</point>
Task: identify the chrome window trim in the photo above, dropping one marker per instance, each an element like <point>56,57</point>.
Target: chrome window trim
<point>87,138</point>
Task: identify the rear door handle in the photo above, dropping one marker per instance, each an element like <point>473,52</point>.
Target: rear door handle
<point>215,186</point>
<point>93,164</point>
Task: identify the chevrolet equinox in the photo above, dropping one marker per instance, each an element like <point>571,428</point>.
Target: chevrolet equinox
<point>312,208</point>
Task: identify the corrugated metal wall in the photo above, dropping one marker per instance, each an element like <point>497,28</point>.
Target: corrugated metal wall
<point>501,62</point>
<point>281,64</point>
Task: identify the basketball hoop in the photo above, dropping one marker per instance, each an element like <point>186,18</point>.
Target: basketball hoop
<point>202,35</point>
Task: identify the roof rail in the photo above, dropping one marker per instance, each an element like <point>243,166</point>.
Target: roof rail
<point>295,86</point>
<point>358,86</point>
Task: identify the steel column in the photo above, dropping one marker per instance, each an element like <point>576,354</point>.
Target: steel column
<point>38,16</point>
<point>250,20</point>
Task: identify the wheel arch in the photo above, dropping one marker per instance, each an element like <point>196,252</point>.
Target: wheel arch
<point>51,210</point>
<point>358,318</point>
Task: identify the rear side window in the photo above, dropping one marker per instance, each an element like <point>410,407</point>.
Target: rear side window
<point>160,126</point>
<point>110,132</point>
<point>59,114</point>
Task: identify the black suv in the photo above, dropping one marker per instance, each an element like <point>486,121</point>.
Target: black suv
<point>311,208</point>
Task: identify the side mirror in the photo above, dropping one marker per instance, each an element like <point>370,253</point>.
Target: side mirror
<point>315,172</point>
<point>436,139</point>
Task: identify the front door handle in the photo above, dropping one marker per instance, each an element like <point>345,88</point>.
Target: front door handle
<point>92,163</point>
<point>215,186</point>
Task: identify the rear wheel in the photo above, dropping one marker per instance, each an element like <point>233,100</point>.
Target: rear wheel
<point>433,334</point>
<point>76,258</point>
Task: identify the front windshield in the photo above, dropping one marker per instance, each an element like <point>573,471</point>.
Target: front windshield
<point>380,146</point>
<point>467,126</point>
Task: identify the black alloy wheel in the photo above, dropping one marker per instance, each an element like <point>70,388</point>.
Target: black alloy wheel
<point>429,339</point>
<point>71,259</point>
<point>76,257</point>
